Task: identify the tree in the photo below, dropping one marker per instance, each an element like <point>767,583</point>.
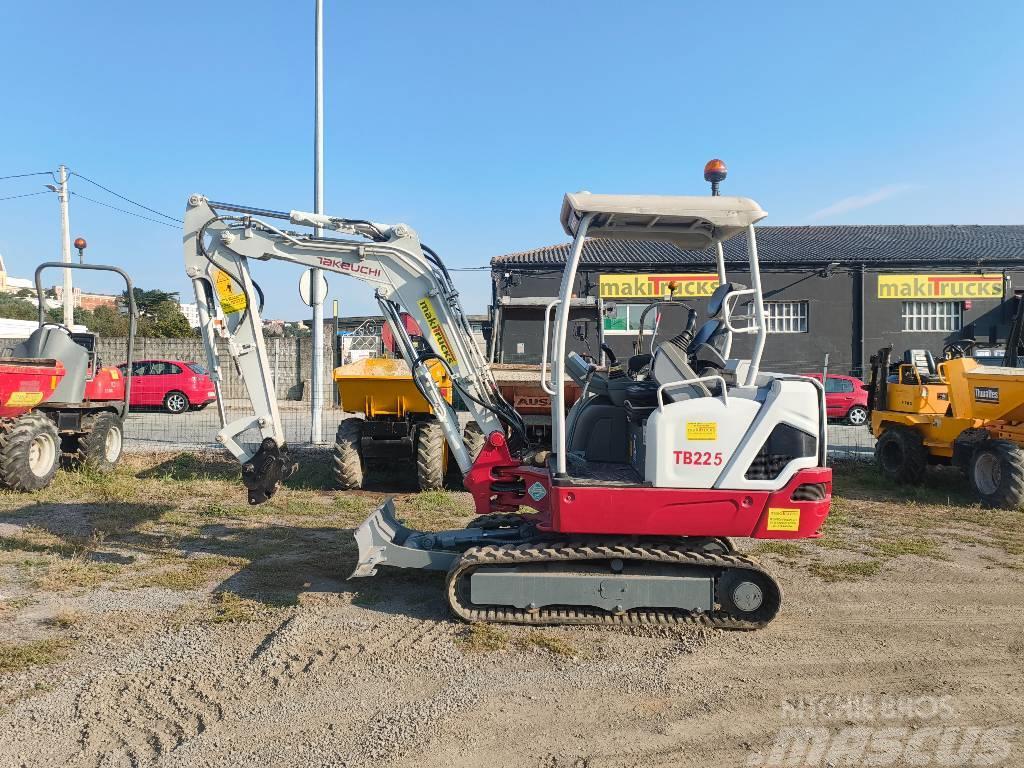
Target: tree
<point>16,309</point>
<point>147,301</point>
<point>167,322</point>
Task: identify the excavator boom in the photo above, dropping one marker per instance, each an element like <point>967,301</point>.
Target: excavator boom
<point>220,239</point>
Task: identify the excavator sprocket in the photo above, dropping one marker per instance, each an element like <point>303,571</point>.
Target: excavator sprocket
<point>745,596</point>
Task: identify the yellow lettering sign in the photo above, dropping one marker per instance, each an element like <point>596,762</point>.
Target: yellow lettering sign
<point>437,330</point>
<point>231,297</point>
<point>25,398</point>
<point>656,286</point>
<point>940,286</point>
<point>780,519</point>
<point>702,430</point>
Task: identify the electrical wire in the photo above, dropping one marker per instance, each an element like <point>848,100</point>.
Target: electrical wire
<point>24,175</point>
<point>122,210</point>
<point>126,199</point>
<point>27,194</point>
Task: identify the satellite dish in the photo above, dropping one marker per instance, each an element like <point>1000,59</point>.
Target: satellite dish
<point>306,288</point>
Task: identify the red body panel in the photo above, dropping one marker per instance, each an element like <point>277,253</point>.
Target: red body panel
<point>689,512</point>
<point>500,484</point>
<point>26,384</point>
<point>107,384</point>
<point>151,388</point>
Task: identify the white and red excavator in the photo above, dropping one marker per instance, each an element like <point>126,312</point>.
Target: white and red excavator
<point>652,472</point>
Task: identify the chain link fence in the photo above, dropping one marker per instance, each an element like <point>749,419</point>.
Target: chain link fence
<point>152,428</point>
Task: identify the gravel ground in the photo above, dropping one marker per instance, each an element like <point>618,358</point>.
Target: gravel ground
<point>174,626</point>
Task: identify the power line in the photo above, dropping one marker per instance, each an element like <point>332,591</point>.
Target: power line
<point>122,210</point>
<point>27,194</point>
<point>126,199</point>
<point>23,175</point>
<point>467,269</point>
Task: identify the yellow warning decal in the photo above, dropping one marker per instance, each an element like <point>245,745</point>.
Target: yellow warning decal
<point>702,430</point>
<point>437,331</point>
<point>781,519</point>
<point>25,398</point>
<point>231,297</point>
<point>115,374</point>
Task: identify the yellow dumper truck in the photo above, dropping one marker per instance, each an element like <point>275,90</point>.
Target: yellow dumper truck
<point>951,412</point>
<point>397,423</point>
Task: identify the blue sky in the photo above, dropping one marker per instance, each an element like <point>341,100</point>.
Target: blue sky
<point>469,120</point>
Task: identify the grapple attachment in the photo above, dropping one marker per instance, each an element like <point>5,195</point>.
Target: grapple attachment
<point>263,474</point>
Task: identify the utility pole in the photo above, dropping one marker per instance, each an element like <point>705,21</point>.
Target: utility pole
<point>65,247</point>
<point>317,377</point>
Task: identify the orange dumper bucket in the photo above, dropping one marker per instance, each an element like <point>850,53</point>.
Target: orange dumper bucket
<point>25,383</point>
<point>384,387</point>
<point>997,394</point>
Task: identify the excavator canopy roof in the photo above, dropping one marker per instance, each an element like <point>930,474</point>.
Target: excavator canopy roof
<point>692,222</point>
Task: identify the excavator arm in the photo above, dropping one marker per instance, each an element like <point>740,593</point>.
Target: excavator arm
<point>220,239</point>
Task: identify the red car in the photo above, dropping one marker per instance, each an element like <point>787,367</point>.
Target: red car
<point>174,385</point>
<point>845,398</point>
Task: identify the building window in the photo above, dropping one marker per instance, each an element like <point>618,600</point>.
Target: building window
<point>944,316</point>
<point>785,316</point>
<point>625,318</point>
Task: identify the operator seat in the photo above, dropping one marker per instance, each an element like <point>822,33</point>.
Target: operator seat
<point>924,363</point>
<point>51,342</point>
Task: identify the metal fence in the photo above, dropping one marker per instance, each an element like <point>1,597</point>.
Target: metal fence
<point>152,428</point>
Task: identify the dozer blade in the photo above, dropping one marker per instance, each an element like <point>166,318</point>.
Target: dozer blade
<point>382,539</point>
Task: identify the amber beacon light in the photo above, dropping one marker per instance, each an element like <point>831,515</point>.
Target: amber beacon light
<point>715,172</point>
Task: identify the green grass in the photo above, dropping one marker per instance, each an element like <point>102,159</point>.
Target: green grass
<point>482,638</point>
<point>546,641</point>
<point>896,547</point>
<point>193,574</point>
<point>227,607</point>
<point>15,657</point>
<point>786,549</point>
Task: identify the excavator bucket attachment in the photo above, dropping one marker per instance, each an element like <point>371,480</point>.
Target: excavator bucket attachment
<point>382,541</point>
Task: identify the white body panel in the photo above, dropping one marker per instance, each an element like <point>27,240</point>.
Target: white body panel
<point>704,443</point>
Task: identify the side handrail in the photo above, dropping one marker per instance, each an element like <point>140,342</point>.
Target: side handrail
<point>689,382</point>
<point>544,384</point>
<point>728,310</point>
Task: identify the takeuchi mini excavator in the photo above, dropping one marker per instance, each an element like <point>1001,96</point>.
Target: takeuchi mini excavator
<point>651,472</point>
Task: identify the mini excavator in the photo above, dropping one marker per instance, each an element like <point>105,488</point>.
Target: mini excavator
<point>652,472</point>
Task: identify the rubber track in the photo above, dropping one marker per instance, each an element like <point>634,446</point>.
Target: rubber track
<point>671,553</point>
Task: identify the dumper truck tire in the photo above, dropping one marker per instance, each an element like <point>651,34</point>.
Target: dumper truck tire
<point>474,439</point>
<point>29,453</point>
<point>348,455</point>
<point>431,455</point>
<point>901,455</point>
<point>100,448</point>
<point>997,474</point>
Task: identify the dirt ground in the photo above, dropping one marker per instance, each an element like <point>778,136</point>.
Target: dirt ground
<point>152,618</point>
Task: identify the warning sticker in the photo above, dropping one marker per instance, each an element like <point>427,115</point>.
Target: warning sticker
<point>702,430</point>
<point>25,398</point>
<point>537,491</point>
<point>437,330</point>
<point>231,297</point>
<point>781,519</point>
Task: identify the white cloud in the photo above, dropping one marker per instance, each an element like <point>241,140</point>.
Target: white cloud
<point>856,202</point>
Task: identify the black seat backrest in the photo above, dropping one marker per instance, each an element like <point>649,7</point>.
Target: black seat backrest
<point>922,360</point>
<point>717,300</point>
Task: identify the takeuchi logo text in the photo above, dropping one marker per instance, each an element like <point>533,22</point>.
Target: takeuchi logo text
<point>940,286</point>
<point>656,286</point>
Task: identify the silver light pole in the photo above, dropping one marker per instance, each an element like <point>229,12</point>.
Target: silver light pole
<point>317,377</point>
